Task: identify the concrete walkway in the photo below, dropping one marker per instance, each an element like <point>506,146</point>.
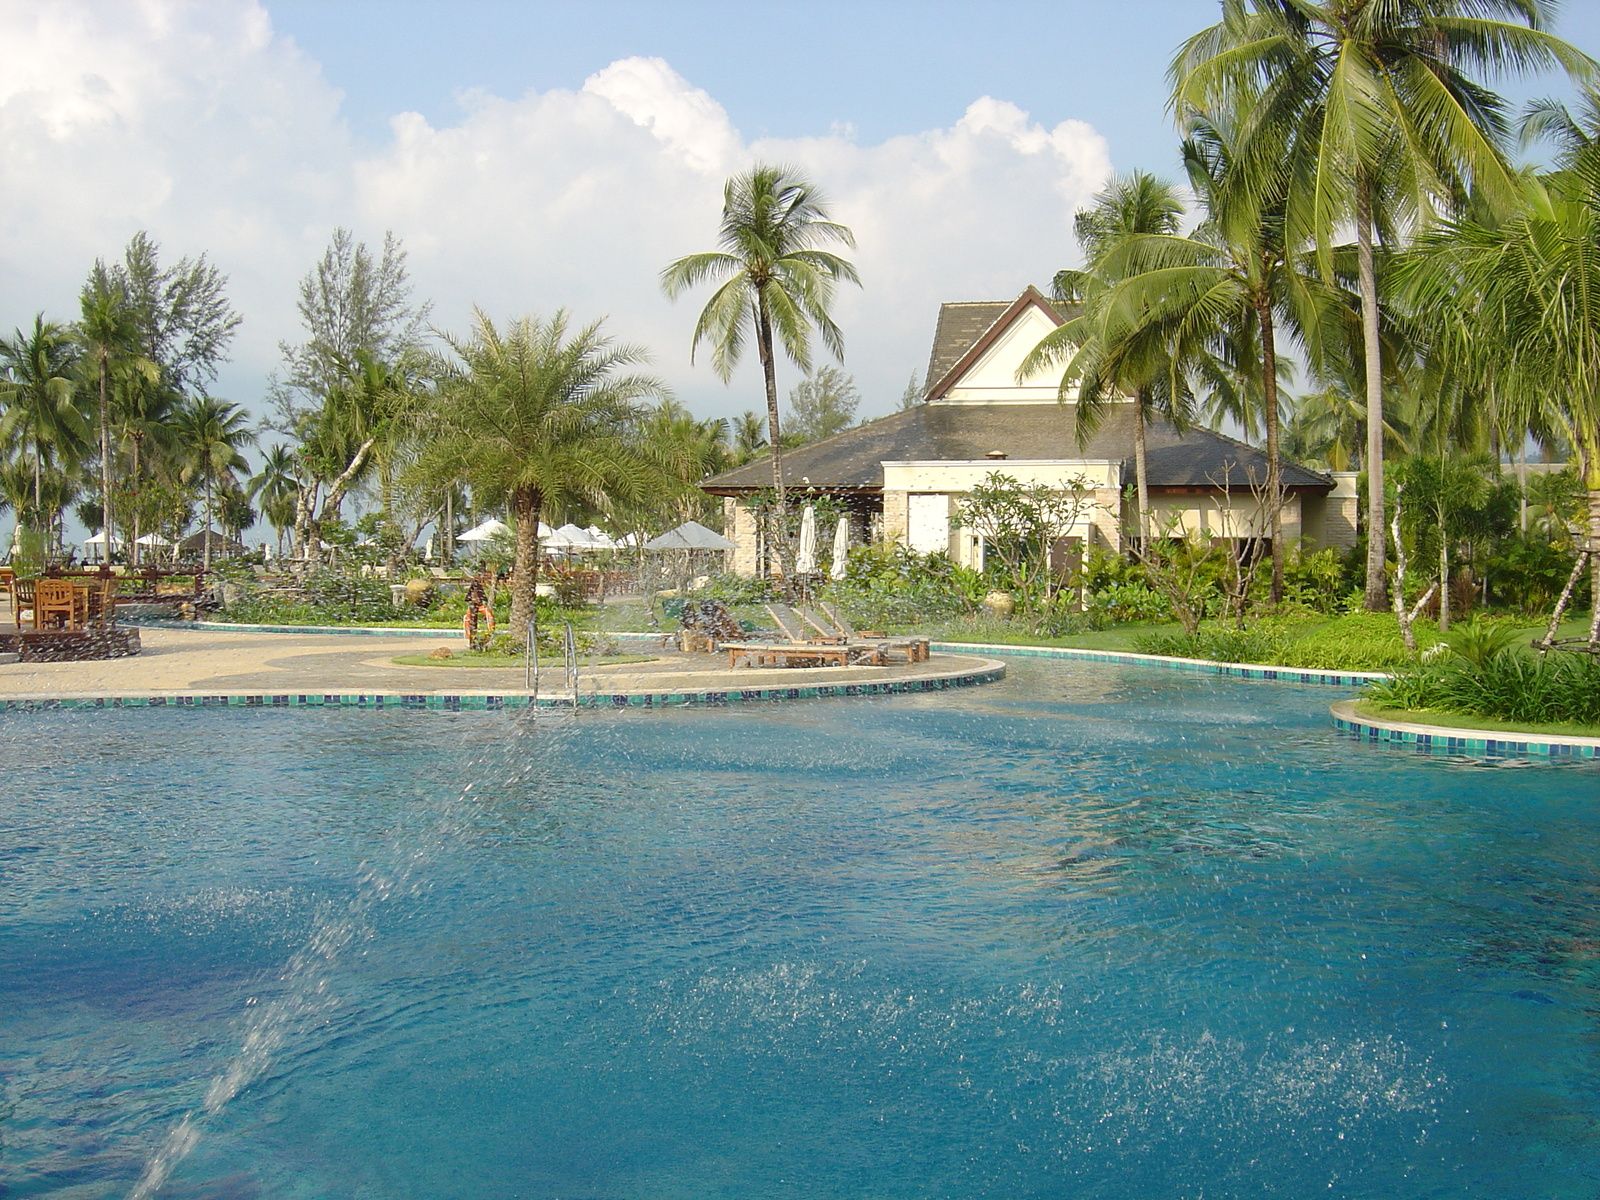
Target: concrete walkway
<point>179,662</point>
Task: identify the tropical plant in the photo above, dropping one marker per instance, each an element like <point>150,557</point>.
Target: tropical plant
<point>42,426</point>
<point>1371,113</point>
<point>108,329</point>
<point>1112,352</point>
<point>274,488</point>
<point>774,280</point>
<point>212,433</point>
<point>539,417</point>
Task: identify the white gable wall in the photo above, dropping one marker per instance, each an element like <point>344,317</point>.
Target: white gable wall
<point>992,379</point>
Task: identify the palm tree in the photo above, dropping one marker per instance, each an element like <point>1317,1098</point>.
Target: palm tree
<point>773,279</point>
<point>1228,286</point>
<point>212,432</point>
<point>1108,354</point>
<point>1372,110</point>
<point>1532,288</point>
<point>41,418</point>
<point>109,331</point>
<point>542,418</point>
<point>274,488</point>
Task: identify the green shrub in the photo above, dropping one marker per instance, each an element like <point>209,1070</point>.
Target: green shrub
<point>1358,641</point>
<point>1555,689</point>
<point>1256,644</point>
<point>1132,602</point>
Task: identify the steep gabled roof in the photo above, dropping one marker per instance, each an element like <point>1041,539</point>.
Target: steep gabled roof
<point>961,323</point>
<point>1030,298</point>
<point>853,460</point>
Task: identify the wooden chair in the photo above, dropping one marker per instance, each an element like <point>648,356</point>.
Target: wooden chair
<point>21,600</point>
<point>57,603</point>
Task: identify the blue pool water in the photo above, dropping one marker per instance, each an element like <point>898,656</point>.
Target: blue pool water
<point>1095,931</point>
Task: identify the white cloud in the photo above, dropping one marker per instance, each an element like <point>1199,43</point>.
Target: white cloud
<point>196,121</point>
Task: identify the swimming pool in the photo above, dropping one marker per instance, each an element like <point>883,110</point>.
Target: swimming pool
<point>1095,931</point>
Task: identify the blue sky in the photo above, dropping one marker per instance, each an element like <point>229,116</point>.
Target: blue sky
<point>541,155</point>
<point>788,69</point>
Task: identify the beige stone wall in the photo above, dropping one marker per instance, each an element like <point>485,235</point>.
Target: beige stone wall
<point>1106,522</point>
<point>739,525</point>
<point>896,516</point>
<point>1331,521</point>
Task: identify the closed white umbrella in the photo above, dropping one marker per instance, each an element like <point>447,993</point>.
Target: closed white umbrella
<point>841,548</point>
<point>805,558</point>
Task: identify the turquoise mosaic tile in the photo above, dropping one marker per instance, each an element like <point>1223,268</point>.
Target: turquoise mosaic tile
<point>497,703</point>
<point>1345,679</point>
<point>1465,744</point>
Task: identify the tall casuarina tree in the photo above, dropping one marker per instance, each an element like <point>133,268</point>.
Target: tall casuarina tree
<point>1384,124</point>
<point>774,280</point>
<point>108,330</point>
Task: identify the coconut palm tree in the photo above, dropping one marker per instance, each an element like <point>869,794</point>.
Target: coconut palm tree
<point>1109,353</point>
<point>108,329</point>
<point>1531,286</point>
<point>774,280</point>
<point>274,487</point>
<point>540,417</point>
<point>1232,287</point>
<point>41,420</point>
<point>211,433</point>
<point>1373,109</point>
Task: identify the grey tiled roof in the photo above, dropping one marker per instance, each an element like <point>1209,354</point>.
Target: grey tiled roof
<point>939,431</point>
<point>960,324</point>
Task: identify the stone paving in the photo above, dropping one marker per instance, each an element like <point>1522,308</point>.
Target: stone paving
<point>210,661</point>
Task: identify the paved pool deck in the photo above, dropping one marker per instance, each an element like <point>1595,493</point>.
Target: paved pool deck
<point>212,666</point>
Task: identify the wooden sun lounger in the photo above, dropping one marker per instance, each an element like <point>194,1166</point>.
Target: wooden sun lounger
<point>916,649</point>
<point>776,654</point>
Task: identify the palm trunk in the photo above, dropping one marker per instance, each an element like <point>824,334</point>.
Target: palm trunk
<point>1368,285</point>
<point>1269,400</point>
<point>1592,485</point>
<point>205,554</point>
<point>1444,580</point>
<point>332,501</point>
<point>106,515</point>
<point>528,503</point>
<point>133,546</point>
<point>769,371</point>
<point>449,525</point>
<point>1141,477</point>
<point>304,499</point>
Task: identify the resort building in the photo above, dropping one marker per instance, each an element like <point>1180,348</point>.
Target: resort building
<point>903,476</point>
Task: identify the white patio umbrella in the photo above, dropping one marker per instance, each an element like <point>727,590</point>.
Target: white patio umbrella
<point>805,558</point>
<point>691,535</point>
<point>484,530</point>
<point>151,539</point>
<point>601,539</point>
<point>570,537</point>
<point>841,548</point>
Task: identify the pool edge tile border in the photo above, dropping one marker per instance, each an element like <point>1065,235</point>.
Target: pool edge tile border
<point>1256,671</point>
<point>987,670</point>
<point>1474,743</point>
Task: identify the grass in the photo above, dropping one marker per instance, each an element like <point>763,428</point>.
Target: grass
<point>1428,716</point>
<point>487,661</point>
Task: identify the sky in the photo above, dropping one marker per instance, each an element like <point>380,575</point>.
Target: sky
<point>540,155</point>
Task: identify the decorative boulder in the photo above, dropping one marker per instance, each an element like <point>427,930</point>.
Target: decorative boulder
<point>999,604</point>
<point>419,592</point>
<point>441,652</point>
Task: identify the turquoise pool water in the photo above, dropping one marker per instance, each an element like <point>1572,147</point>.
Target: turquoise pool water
<point>1091,932</point>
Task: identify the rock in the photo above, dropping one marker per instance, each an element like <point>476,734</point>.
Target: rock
<point>999,604</point>
<point>441,652</point>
